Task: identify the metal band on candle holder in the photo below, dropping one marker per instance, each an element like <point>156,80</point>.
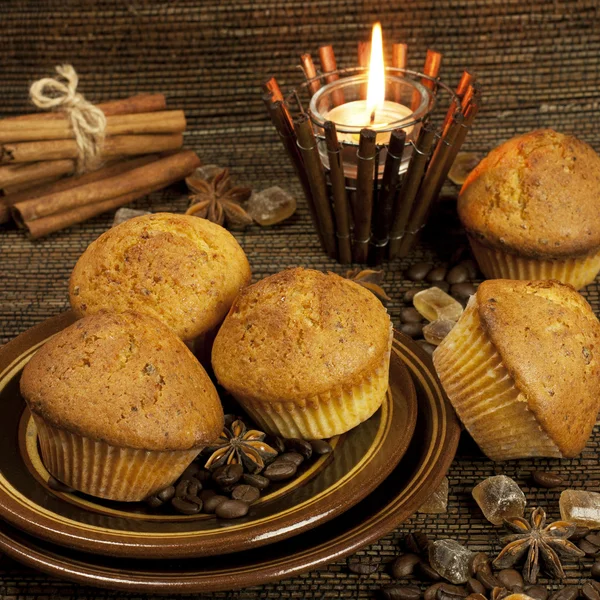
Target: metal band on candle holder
<point>365,157</point>
<point>342,237</point>
<point>380,244</point>
<point>365,241</point>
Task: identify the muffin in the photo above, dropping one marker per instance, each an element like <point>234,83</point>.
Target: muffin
<point>522,369</point>
<point>305,353</point>
<point>531,209</point>
<point>121,405</point>
<point>183,270</point>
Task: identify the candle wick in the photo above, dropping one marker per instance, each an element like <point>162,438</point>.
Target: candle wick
<point>372,117</point>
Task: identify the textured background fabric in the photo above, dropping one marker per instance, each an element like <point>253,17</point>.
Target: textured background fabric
<point>539,65</point>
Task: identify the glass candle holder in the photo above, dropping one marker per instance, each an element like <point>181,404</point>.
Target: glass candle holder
<point>407,103</point>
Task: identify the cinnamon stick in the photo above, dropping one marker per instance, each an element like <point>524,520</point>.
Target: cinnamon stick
<point>399,59</point>
<point>271,86</point>
<point>142,103</point>
<point>158,173</point>
<point>308,66</point>
<point>338,190</point>
<point>362,204</point>
<point>328,64</point>
<point>463,85</point>
<point>409,188</point>
<point>22,173</point>
<point>118,145</point>
<point>384,205</point>
<point>12,190</point>
<point>316,178</point>
<point>34,129</point>
<point>433,61</point>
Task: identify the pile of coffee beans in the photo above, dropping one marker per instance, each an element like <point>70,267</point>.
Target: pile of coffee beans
<point>453,281</point>
<point>228,491</point>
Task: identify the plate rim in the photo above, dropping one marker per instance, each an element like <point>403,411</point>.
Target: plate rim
<point>121,543</point>
<point>337,548</point>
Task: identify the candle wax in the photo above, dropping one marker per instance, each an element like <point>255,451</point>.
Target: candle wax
<point>356,114</point>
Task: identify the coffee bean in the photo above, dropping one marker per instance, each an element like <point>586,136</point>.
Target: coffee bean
<point>321,447</point>
<point>427,571</point>
<point>567,593</point>
<point>487,579</point>
<point>511,579</point>
<point>429,348</point>
<point>280,470</point>
<point>301,446</point>
<point>412,330</point>
<point>457,274</point>
<point>471,267</point>
<point>416,542</point>
<point>154,501</point>
<point>210,504</point>
<point>400,592</point>
<point>410,315</point>
<point>595,585</point>
<point>245,493</point>
<point>593,538</point>
<point>589,592</point>
<point>275,443</point>
<point>188,487</point>
<point>362,566</point>
<point>206,494</point>
<point>462,291</point>
<point>203,476</point>
<point>596,570</point>
<point>447,591</point>
<point>404,565</point>
<point>437,274</point>
<point>228,474</point>
<point>480,562</point>
<point>293,457</point>
<point>579,533</point>
<point>186,506</point>
<point>191,471</point>
<point>231,509</point>
<point>546,479</point>
<point>588,548</point>
<point>418,271</point>
<point>166,494</point>
<point>431,591</point>
<point>409,295</point>
<point>476,597</point>
<point>498,593</point>
<point>59,486</point>
<point>257,481</point>
<point>475,587</point>
<point>537,592</point>
<point>442,285</point>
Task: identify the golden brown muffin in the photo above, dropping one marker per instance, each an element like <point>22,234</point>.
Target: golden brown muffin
<point>532,209</point>
<point>306,353</point>
<point>522,369</point>
<point>121,405</point>
<point>182,270</point>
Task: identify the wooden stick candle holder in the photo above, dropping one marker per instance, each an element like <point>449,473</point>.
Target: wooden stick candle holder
<point>372,171</point>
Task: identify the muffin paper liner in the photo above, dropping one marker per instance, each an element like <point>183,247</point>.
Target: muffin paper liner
<point>323,415</point>
<point>485,396</point>
<point>496,264</point>
<point>99,469</point>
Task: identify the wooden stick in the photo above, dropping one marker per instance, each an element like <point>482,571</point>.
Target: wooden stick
<point>364,56</point>
<point>362,204</point>
<point>316,177</point>
<point>270,86</point>
<point>410,187</point>
<point>431,184</point>
<point>142,103</point>
<point>463,85</point>
<point>159,173</point>
<point>433,61</point>
<point>328,64</point>
<point>308,66</point>
<point>383,211</point>
<point>171,121</point>
<point>340,197</point>
<point>119,145</point>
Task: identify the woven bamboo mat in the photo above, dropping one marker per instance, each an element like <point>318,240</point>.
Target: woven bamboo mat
<point>540,67</point>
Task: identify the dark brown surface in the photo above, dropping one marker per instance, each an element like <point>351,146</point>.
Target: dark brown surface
<point>539,64</point>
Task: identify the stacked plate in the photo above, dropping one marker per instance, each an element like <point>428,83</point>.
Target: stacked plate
<point>377,476</point>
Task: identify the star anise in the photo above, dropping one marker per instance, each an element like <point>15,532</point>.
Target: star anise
<point>218,201</point>
<point>371,280</point>
<point>543,544</point>
<point>239,445</point>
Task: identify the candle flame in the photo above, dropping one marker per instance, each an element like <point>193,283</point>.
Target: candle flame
<point>376,85</point>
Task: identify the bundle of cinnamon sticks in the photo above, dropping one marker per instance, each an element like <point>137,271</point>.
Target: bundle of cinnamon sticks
<point>141,153</point>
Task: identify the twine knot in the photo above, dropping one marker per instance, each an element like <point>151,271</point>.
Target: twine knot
<point>87,121</point>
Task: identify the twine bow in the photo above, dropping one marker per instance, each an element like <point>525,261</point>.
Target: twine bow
<point>87,121</point>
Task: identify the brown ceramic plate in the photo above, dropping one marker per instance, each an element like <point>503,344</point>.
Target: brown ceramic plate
<point>361,460</point>
<point>417,475</point>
